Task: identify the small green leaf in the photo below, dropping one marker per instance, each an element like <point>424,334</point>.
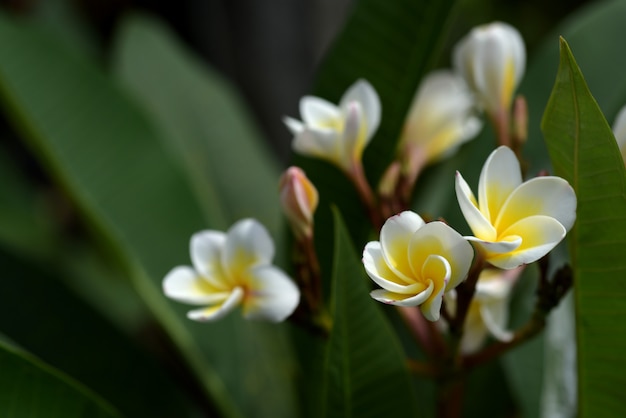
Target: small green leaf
<point>30,388</point>
<point>584,152</point>
<point>366,370</point>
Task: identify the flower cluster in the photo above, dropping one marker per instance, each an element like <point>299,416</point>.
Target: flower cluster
<point>415,263</point>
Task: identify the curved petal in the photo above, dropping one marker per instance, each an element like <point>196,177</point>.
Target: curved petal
<point>495,316</point>
<point>247,244</point>
<point>397,299</point>
<point>206,256</point>
<point>294,125</point>
<point>395,236</point>
<point>184,284</point>
<point>477,222</point>
<point>437,270</point>
<point>547,196</point>
<point>218,311</point>
<point>377,269</point>
<point>271,294</point>
<point>494,284</point>
<point>317,142</point>
<point>499,177</point>
<point>619,130</point>
<point>353,135</point>
<point>440,240</point>
<point>317,112</point>
<point>474,330</point>
<point>364,93</point>
<point>539,234</point>
<point>497,247</point>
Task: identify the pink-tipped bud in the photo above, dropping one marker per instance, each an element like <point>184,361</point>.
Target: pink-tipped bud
<point>299,199</point>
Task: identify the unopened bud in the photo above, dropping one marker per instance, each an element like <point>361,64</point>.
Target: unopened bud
<point>299,199</point>
<point>520,121</point>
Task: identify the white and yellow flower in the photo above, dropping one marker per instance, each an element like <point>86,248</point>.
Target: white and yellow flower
<point>515,222</point>
<point>416,263</point>
<point>299,199</point>
<point>338,134</point>
<point>441,118</point>
<point>492,59</point>
<point>488,313</point>
<point>231,269</point>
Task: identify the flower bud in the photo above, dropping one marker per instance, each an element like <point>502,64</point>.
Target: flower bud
<point>441,118</point>
<point>299,199</point>
<point>492,58</point>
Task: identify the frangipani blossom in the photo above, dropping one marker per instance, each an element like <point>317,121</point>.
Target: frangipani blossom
<point>416,263</point>
<point>338,134</point>
<point>488,313</point>
<point>231,269</point>
<point>441,118</point>
<point>299,199</point>
<point>492,59</point>
<point>619,130</point>
<point>515,222</point>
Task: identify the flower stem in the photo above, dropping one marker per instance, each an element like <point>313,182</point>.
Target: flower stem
<point>357,175</point>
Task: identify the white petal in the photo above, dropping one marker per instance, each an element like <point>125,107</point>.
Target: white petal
<point>316,111</point>
<point>474,330</point>
<point>500,175</point>
<point>619,130</point>
<point>497,247</point>
<point>479,225</point>
<point>272,295</point>
<point>437,270</point>
<point>539,234</point>
<point>495,284</point>
<point>548,196</point>
<point>363,93</point>
<point>206,249</point>
<point>218,311</point>
<point>377,269</point>
<point>247,244</point>
<point>438,239</point>
<point>353,135</point>
<point>395,236</point>
<point>317,142</point>
<point>184,284</point>
<point>495,316</point>
<point>294,125</point>
<point>397,299</point>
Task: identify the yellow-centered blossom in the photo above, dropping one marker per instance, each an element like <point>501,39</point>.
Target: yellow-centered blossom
<point>416,263</point>
<point>340,133</point>
<point>515,222</point>
<point>231,269</point>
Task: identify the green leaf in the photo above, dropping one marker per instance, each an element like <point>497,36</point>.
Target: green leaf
<point>30,388</point>
<point>68,334</point>
<point>204,124</point>
<point>584,152</point>
<point>110,159</point>
<point>366,370</point>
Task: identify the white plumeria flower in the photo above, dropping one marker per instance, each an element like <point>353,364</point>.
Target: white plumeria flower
<point>416,263</point>
<point>492,59</point>
<point>231,269</point>
<point>338,134</point>
<point>619,130</point>
<point>488,313</point>
<point>442,116</point>
<point>515,222</point>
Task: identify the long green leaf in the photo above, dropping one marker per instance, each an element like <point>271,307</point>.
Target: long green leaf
<point>205,124</point>
<point>30,388</point>
<point>366,371</point>
<point>107,155</point>
<point>583,151</point>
